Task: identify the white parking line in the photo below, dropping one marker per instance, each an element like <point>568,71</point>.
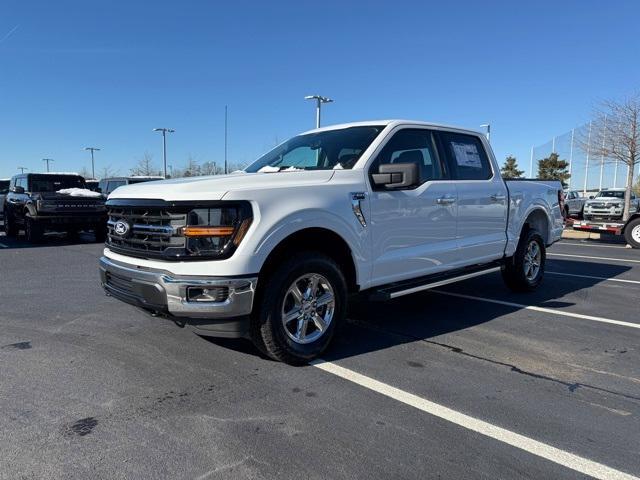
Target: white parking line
<point>594,277</point>
<point>534,447</point>
<point>589,245</point>
<point>597,258</point>
<point>543,309</point>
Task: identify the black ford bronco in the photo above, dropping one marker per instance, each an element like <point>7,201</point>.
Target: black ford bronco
<point>37,202</point>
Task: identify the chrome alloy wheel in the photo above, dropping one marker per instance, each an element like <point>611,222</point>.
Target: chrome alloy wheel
<point>532,260</point>
<point>307,308</point>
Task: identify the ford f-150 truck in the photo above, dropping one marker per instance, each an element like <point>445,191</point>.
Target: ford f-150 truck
<point>272,253</point>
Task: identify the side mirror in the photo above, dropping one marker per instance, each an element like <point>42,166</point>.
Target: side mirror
<point>18,189</point>
<point>98,189</point>
<point>591,197</point>
<point>396,175</point>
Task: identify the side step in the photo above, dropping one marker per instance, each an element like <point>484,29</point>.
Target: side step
<point>395,290</point>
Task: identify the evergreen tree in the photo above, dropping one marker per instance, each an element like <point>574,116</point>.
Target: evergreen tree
<point>552,168</point>
<point>510,168</point>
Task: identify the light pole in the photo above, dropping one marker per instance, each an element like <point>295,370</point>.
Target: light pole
<point>164,145</point>
<point>488,127</point>
<point>47,160</point>
<point>93,165</point>
<point>22,169</point>
<point>319,101</point>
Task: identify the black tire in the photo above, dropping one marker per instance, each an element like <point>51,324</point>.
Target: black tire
<point>515,272</point>
<point>632,233</point>
<point>10,227</point>
<point>566,212</point>
<point>268,331</point>
<point>33,230</point>
<point>100,232</point>
<point>582,213</point>
<point>73,234</point>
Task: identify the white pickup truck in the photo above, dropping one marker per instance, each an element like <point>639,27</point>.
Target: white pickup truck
<point>272,253</point>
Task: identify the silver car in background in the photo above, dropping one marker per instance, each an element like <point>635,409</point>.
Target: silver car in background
<point>608,204</point>
<point>574,203</point>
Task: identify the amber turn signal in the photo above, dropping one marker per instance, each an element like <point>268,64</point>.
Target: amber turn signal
<point>207,231</point>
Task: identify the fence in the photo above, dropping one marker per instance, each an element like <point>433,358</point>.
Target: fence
<point>588,171</point>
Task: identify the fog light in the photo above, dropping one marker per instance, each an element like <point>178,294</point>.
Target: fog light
<point>208,294</point>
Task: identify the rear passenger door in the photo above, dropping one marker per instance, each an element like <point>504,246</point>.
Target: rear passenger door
<point>482,198</point>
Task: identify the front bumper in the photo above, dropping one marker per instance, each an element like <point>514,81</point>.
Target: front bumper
<point>164,292</point>
<point>72,219</point>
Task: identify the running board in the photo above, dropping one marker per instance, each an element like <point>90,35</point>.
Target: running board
<point>425,283</point>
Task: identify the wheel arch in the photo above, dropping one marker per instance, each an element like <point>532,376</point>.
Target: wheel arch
<point>318,239</point>
<point>537,219</point>
<point>631,218</point>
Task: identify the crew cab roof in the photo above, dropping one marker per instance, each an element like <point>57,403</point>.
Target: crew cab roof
<point>392,123</point>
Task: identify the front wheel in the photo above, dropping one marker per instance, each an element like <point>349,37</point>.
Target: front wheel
<point>10,227</point>
<point>632,233</point>
<point>302,304</point>
<point>33,230</point>
<point>524,271</point>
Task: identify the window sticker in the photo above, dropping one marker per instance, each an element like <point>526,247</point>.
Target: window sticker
<point>467,155</point>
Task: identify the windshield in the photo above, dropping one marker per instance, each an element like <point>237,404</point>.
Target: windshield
<point>611,194</point>
<point>331,149</point>
<point>53,183</point>
<point>4,186</point>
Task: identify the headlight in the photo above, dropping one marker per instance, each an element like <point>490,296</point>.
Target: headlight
<point>216,232</point>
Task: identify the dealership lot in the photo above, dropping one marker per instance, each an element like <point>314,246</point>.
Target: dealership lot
<point>471,381</point>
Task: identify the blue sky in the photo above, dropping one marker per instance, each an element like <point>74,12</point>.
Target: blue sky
<point>89,73</point>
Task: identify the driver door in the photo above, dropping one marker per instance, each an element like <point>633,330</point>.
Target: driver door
<point>413,229</point>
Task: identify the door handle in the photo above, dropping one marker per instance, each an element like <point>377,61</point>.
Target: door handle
<point>446,200</point>
<point>497,197</point>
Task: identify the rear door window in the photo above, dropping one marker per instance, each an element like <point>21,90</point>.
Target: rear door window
<point>466,156</point>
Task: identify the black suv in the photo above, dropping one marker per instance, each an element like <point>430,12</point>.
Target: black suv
<point>34,204</point>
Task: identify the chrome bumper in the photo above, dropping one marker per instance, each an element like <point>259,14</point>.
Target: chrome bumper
<point>161,291</point>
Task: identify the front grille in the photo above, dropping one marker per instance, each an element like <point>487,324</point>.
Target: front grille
<point>152,231</point>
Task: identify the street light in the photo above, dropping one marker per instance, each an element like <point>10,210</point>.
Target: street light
<point>93,167</point>
<point>488,127</point>
<point>22,169</point>
<point>47,160</point>
<point>164,145</point>
<point>319,101</point>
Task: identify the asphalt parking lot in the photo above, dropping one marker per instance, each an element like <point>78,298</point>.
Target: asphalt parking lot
<point>471,381</point>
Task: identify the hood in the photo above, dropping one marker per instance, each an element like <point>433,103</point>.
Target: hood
<point>609,200</point>
<point>216,186</point>
<point>65,196</point>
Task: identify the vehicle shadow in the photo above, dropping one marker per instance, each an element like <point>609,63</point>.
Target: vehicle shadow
<point>374,326</point>
<point>49,240</point>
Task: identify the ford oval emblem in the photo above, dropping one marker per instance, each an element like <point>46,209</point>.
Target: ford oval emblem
<point>121,228</point>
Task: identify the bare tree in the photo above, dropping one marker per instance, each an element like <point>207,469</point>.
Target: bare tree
<point>209,168</point>
<point>192,169</point>
<point>107,172</point>
<point>144,166</point>
<point>615,137</point>
<point>84,172</point>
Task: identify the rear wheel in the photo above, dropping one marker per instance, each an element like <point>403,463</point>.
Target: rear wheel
<point>10,227</point>
<point>33,230</point>
<point>632,233</point>
<point>302,304</point>
<point>524,271</point>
